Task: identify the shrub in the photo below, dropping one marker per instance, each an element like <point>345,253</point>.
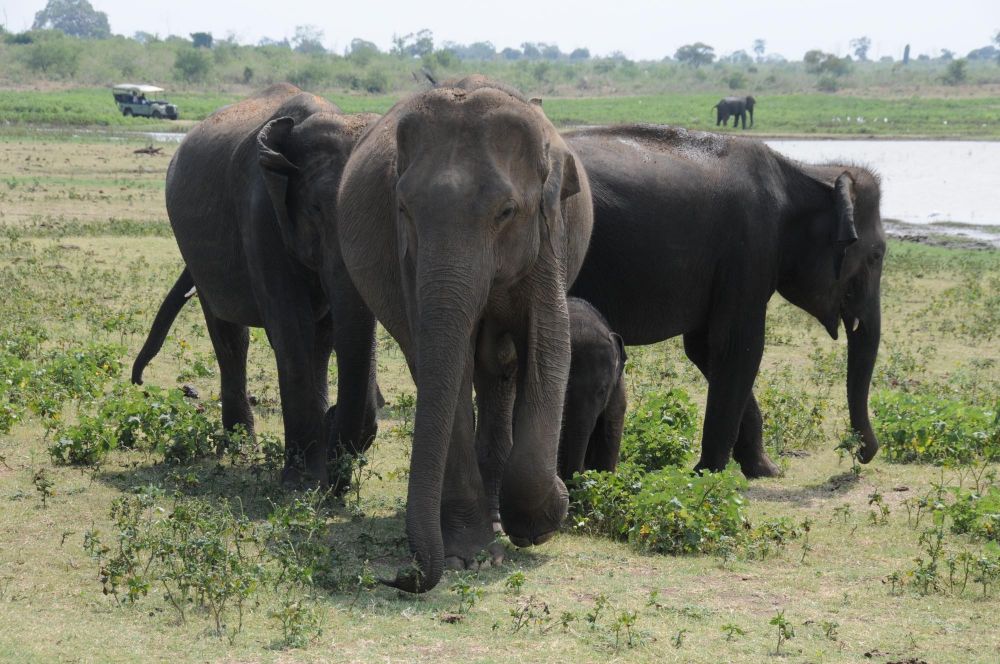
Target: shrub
<point>151,420</point>
<point>660,430</point>
<point>666,511</point>
<point>922,427</point>
<point>977,514</point>
<point>792,420</point>
<point>192,64</point>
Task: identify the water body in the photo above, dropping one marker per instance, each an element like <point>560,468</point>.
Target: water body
<point>940,187</point>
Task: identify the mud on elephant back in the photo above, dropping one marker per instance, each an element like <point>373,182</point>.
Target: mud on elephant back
<point>464,217</point>
<point>251,195</point>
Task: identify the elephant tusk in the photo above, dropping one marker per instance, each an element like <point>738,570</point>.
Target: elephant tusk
<point>191,293</point>
<point>855,325</point>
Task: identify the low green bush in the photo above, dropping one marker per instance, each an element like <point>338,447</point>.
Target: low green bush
<point>670,511</point>
<point>977,514</point>
<point>149,419</point>
<point>927,428</point>
<point>660,431</point>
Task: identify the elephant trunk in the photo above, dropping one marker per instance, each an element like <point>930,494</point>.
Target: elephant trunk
<point>863,335</point>
<point>450,300</point>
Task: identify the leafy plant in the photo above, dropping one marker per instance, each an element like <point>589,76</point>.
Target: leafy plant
<point>659,430</point>
<point>785,630</point>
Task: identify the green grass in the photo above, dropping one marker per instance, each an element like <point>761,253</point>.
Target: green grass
<point>85,277</point>
<point>784,114</point>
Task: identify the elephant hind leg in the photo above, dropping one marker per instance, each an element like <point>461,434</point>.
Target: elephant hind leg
<point>231,342</point>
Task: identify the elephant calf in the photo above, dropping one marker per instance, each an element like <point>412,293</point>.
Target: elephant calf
<point>594,413</point>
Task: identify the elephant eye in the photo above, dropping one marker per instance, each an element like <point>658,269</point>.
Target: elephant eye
<point>403,211</point>
<point>508,210</point>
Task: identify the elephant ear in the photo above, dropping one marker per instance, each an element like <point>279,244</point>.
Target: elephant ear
<point>846,232</point>
<point>616,339</point>
<point>272,141</point>
<point>561,182</point>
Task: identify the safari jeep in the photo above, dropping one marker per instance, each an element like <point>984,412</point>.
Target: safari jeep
<point>138,100</point>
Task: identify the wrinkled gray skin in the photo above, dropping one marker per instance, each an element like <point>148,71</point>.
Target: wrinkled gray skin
<point>735,107</point>
<point>463,220</point>
<point>594,414</point>
<point>679,248</point>
<point>251,195</point>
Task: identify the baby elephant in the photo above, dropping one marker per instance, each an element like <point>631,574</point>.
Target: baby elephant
<point>594,411</point>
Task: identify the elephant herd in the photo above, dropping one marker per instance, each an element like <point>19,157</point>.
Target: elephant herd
<point>513,264</point>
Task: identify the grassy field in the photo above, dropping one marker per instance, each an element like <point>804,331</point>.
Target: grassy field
<point>85,258</point>
<point>796,114</point>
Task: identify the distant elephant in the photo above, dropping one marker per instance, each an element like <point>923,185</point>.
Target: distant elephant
<point>252,199</point>
<point>677,249</point>
<point>463,220</point>
<point>594,413</point>
<point>738,107</point>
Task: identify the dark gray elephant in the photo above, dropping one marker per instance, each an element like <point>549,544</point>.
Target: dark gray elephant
<point>594,414</point>
<point>463,219</point>
<point>678,249</point>
<point>252,199</point>
<point>735,107</point>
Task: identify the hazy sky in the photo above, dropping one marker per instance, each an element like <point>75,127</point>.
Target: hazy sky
<point>642,29</point>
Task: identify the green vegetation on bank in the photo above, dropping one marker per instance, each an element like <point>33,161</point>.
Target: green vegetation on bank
<point>788,114</point>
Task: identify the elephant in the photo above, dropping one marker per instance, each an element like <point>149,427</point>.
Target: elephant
<point>463,220</point>
<point>677,249</point>
<point>252,198</point>
<point>594,412</point>
<point>738,107</point>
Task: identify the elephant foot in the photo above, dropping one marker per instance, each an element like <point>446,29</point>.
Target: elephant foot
<point>757,466</point>
<point>531,527</point>
<point>294,477</point>
<point>471,547</point>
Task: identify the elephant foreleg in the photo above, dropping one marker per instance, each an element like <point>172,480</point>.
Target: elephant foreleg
<point>466,526</point>
<point>605,442</point>
<point>748,449</point>
<point>533,500</point>
<point>495,375</point>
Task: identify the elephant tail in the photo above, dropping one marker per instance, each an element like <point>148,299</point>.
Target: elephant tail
<point>182,291</point>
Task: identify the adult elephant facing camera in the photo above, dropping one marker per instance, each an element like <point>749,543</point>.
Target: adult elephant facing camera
<point>679,248</point>
<point>464,218</point>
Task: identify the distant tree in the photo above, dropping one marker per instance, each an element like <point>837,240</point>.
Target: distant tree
<point>483,51</point>
<point>947,54</point>
<point>201,39</point>
<point>696,54</point>
<point>413,45</point>
<point>740,57</point>
<point>192,64</point>
<point>758,47</point>
<point>361,51</point>
<point>308,39</point>
<point>984,53</point>
<point>860,48</point>
<point>276,43</point>
<point>775,58</point>
<point>52,55</point>
<point>76,18</point>
<point>145,37</point>
<point>955,74</point>
<point>887,58</point>
<point>835,66</point>
<point>812,59</point>
<point>906,55</point>
<point>247,75</point>
<point>923,57</point>
<point>580,54</point>
<point>550,51</point>
<point>511,54</point>
<point>531,51</point>
<point>996,40</point>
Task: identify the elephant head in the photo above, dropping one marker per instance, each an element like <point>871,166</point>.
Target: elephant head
<point>474,184</point>
<point>832,268</point>
<point>301,161</point>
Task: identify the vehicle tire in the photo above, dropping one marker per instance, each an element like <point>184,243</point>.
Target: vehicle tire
<point>156,115</point>
<point>127,112</point>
